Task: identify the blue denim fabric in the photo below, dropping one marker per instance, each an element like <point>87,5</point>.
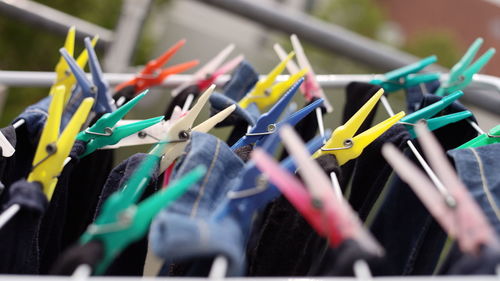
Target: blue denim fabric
<point>175,232</point>
<point>242,81</point>
<point>415,94</point>
<point>479,168</point>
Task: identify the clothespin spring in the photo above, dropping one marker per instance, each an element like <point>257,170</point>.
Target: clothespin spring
<point>261,185</point>
<point>125,219</point>
<point>51,149</point>
<point>271,128</point>
<point>348,143</point>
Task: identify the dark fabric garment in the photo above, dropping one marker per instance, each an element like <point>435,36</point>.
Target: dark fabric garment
<point>53,223</point>
<point>371,171</point>
<point>7,164</point>
<point>282,226</point>
<point>357,94</point>
<point>90,253</point>
<point>131,261</point>
<point>340,261</point>
<point>307,128</point>
<point>415,94</point>
<point>86,183</point>
<point>127,92</point>
<point>181,98</point>
<point>244,152</point>
<point>239,130</point>
<point>19,252</point>
<point>220,102</point>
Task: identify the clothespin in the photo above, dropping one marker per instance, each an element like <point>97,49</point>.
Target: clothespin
<point>461,74</point>
<point>265,93</point>
<point>493,136</point>
<point>453,209</point>
<point>152,74</point>
<point>53,148</point>
<point>98,88</point>
<point>180,131</point>
<point>427,112</point>
<point>342,142</point>
<point>104,132</point>
<point>331,217</point>
<point>266,124</point>
<point>123,221</point>
<point>310,88</point>
<point>64,76</point>
<point>405,77</point>
<point>207,74</point>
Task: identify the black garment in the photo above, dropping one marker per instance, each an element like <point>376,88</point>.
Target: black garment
<point>127,92</point>
<point>53,222</point>
<point>371,171</point>
<point>340,261</point>
<point>86,183</point>
<point>285,244</point>
<point>7,163</point>
<point>19,165</point>
<point>357,94</point>
<point>90,254</point>
<point>19,253</point>
<point>181,98</point>
<point>239,130</point>
<point>131,261</point>
<point>307,127</point>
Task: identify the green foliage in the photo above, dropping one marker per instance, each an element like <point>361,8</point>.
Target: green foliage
<point>362,16</point>
<point>435,42</point>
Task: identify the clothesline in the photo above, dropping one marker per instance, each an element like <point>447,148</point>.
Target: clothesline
<point>40,78</point>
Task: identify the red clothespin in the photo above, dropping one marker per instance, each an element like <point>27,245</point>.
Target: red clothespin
<point>152,74</point>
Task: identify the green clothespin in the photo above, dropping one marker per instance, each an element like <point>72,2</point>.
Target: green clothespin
<point>427,112</point>
<point>493,136</point>
<point>405,77</point>
<point>104,132</point>
<point>122,222</point>
<point>461,74</point>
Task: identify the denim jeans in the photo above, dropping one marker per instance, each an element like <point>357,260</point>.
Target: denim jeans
<point>185,231</point>
<point>242,81</point>
<point>478,168</point>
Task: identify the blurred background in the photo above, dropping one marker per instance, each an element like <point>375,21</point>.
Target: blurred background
<point>135,31</point>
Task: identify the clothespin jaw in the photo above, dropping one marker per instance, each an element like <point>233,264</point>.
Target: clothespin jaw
<point>266,122</point>
<point>104,132</point>
<point>203,84</point>
<point>122,222</point>
<point>401,78</point>
<point>264,93</point>
<point>53,149</point>
<point>461,73</point>
<point>493,136</point>
<point>344,145</point>
<point>152,74</point>
<point>205,72</point>
<point>64,76</point>
<point>438,122</point>
<point>427,112</point>
<point>104,102</point>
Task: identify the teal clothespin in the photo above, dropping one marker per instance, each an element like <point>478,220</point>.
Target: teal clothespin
<point>406,76</point>
<point>104,132</point>
<point>461,74</point>
<point>122,222</point>
<point>493,136</point>
<point>427,112</point>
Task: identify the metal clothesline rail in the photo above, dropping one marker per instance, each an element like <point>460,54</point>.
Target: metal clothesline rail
<point>483,92</point>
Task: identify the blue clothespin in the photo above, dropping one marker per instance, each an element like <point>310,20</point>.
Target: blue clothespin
<point>98,88</point>
<point>427,112</point>
<point>405,77</point>
<point>461,73</point>
<point>266,123</point>
<point>254,192</point>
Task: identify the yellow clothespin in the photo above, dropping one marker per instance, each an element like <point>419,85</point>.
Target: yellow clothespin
<point>344,146</point>
<point>180,132</point>
<point>53,149</point>
<point>64,76</point>
<point>265,93</point>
